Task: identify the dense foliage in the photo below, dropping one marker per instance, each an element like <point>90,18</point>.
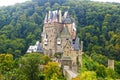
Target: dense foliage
<point>34,66</point>
<point>94,70</point>
<point>98,25</point>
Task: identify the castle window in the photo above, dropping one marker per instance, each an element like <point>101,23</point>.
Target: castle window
<point>45,41</point>
<point>73,41</point>
<point>66,38</point>
<point>45,44</point>
<point>58,41</point>
<point>67,47</point>
<point>46,35</point>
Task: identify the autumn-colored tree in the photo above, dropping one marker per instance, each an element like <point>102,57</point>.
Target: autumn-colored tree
<point>45,59</point>
<point>86,75</point>
<point>77,78</point>
<point>6,63</point>
<point>52,71</point>
<point>1,76</point>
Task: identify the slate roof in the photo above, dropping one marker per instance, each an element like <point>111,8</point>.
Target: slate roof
<point>75,44</point>
<point>39,48</point>
<point>36,48</point>
<point>67,20</point>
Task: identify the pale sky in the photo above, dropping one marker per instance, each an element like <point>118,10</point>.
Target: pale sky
<point>118,1</point>
<point>10,2</point>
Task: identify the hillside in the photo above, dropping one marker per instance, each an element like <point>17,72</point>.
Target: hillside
<point>98,25</point>
<point>30,67</point>
<point>95,68</point>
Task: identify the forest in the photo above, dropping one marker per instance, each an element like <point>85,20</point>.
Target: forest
<point>98,25</point>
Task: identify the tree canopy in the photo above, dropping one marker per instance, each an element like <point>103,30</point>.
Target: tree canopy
<point>98,25</point>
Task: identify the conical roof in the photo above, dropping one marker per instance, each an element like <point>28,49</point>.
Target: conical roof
<point>67,20</point>
<point>75,44</point>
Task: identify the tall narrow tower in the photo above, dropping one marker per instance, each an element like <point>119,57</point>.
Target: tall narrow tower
<point>60,16</point>
<point>51,29</point>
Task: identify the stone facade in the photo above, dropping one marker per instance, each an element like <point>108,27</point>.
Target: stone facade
<point>59,36</point>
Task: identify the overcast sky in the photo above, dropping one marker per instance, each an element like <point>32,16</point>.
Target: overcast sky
<point>107,0</point>
<point>12,2</point>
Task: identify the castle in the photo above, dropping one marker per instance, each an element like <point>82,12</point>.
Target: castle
<point>59,36</point>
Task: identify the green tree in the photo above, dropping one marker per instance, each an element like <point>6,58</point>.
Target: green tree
<point>87,75</point>
<point>29,65</point>
<point>6,63</point>
<point>100,71</point>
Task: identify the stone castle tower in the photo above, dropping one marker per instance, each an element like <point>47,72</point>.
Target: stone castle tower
<point>56,31</point>
<point>59,36</point>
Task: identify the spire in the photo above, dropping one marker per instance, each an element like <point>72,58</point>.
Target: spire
<point>55,16</point>
<point>73,26</point>
<point>67,19</point>
<point>49,16</point>
<point>65,14</point>
<point>46,19</point>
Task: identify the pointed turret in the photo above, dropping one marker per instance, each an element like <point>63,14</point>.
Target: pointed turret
<point>65,14</point>
<point>74,27</point>
<point>73,30</point>
<point>67,19</point>
<point>46,19</point>
<point>49,16</point>
<point>55,16</point>
<point>60,16</point>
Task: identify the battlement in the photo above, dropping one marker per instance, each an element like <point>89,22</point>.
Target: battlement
<point>53,16</point>
<point>57,17</point>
